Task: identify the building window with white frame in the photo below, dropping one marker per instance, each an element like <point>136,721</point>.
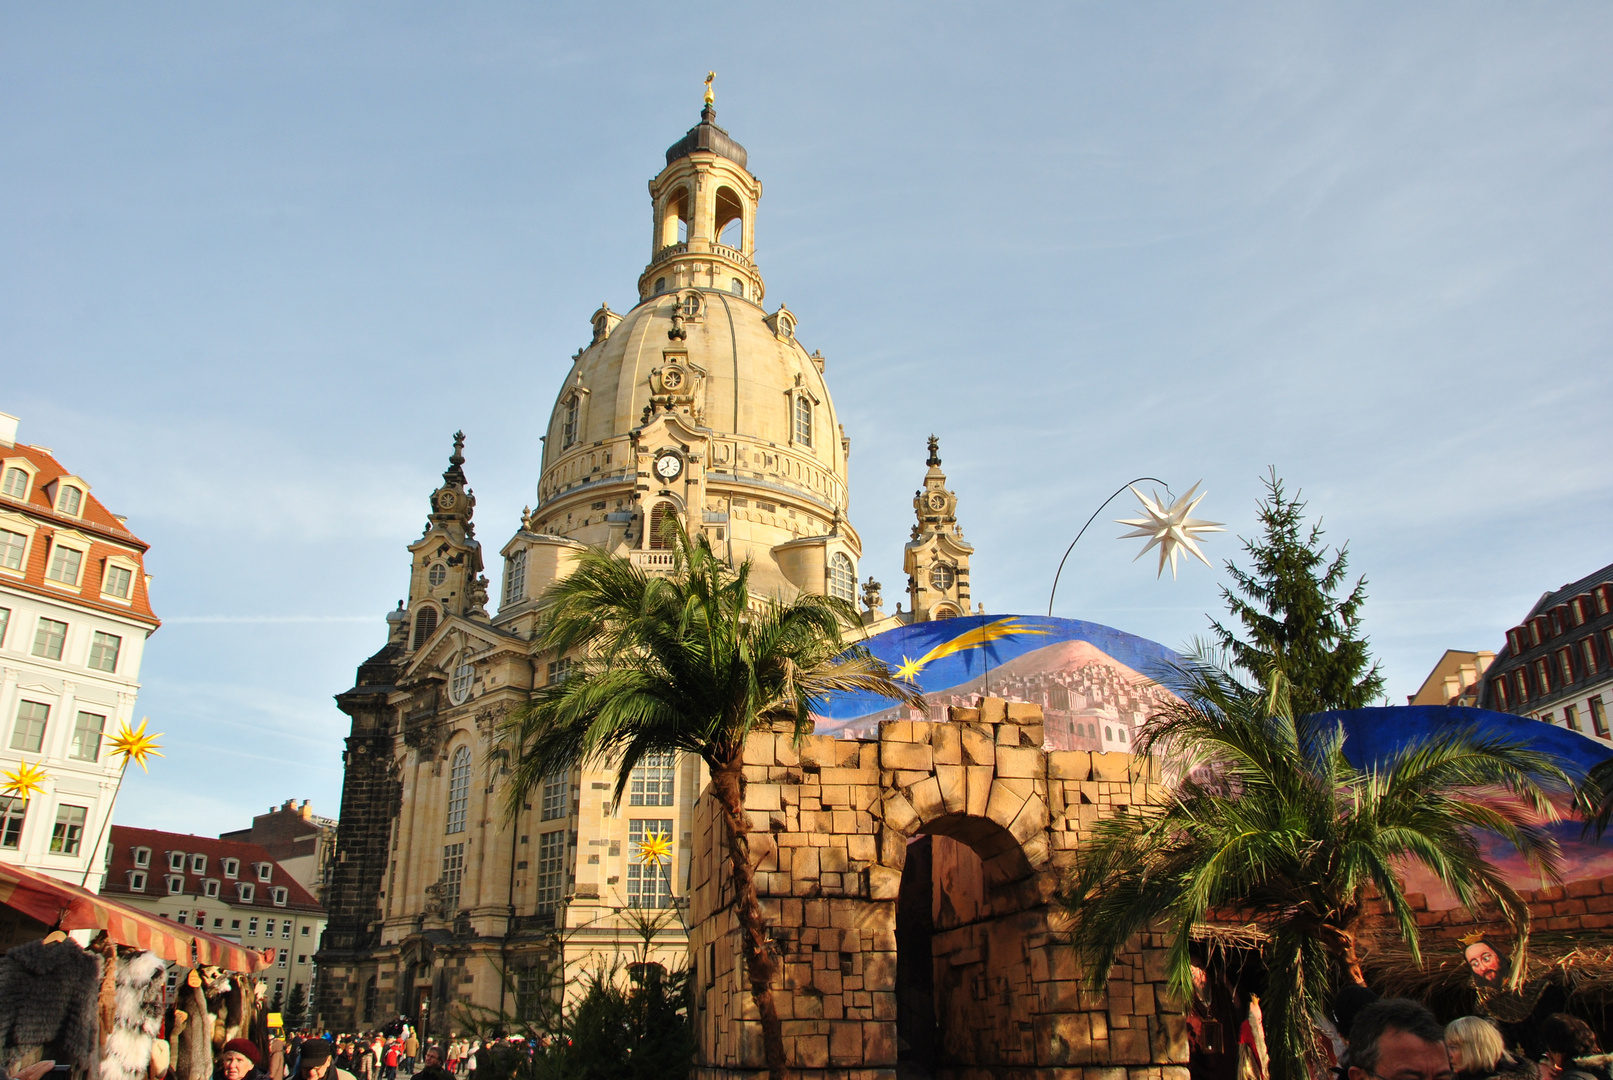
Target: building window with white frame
<point>5,623</point>
<point>252,928</point>
<point>142,856</point>
<point>13,546</point>
<point>1598,715</point>
<point>50,638</point>
<point>176,885</point>
<point>648,884</point>
<point>515,577</point>
<point>551,878</point>
<point>453,874</point>
<point>86,744</point>
<point>246,891</point>
<point>210,888</point>
<point>555,787</point>
<point>198,864</point>
<point>69,830</point>
<point>65,563</point>
<point>803,419</point>
<point>117,581</point>
<point>16,483</point>
<point>842,578</point>
<point>137,881</point>
<point>70,500</point>
<point>104,652</point>
<point>13,811</point>
<point>280,894</point>
<point>29,733</point>
<point>232,868</point>
<point>559,670</point>
<point>650,783</point>
<point>1571,717</point>
<point>568,429</point>
<point>458,791</point>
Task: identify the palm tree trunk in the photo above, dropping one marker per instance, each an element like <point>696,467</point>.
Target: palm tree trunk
<point>1341,943</point>
<point>728,785</point>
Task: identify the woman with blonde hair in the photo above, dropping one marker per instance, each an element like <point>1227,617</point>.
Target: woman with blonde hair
<point>1479,1053</point>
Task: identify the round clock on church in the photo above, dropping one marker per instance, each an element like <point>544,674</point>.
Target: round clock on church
<point>668,465</point>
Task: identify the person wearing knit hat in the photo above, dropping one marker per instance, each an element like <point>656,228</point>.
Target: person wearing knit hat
<point>317,1063</point>
<point>239,1060</point>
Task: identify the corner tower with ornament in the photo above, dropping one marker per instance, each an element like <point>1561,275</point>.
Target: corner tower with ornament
<point>936,560</point>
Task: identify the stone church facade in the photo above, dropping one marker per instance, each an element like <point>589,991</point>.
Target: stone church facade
<point>697,404</point>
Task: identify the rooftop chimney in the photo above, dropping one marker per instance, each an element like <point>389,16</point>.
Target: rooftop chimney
<point>8,429</point>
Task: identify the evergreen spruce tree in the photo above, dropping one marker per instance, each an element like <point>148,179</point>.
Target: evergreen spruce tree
<point>297,1008</point>
<point>1294,621</point>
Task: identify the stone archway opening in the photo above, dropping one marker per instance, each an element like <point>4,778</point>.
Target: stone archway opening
<point>960,946</point>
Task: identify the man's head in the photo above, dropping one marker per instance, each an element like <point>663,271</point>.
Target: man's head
<point>1567,1037</point>
<point>315,1059</point>
<point>434,1055</point>
<point>1398,1039</point>
<point>1487,962</point>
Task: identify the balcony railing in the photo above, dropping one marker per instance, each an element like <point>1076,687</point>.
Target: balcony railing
<point>653,562</point>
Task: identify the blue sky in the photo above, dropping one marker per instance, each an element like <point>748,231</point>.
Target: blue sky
<point>258,262</point>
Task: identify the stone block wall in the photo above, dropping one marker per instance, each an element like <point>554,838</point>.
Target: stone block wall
<point>833,822</point>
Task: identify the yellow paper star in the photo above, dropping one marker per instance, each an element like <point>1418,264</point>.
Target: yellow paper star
<point>135,745</point>
<point>26,782</point>
<point>655,848</point>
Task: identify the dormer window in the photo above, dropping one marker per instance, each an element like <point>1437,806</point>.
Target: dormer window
<point>65,563</point>
<point>137,881</point>
<point>13,549</point>
<point>515,577</point>
<point>232,867</point>
<point>176,885</point>
<point>69,500</point>
<point>142,856</point>
<point>15,484</point>
<point>281,894</point>
<point>803,420</point>
<point>210,888</point>
<point>568,431</point>
<point>118,581</point>
<point>246,892</point>
<point>265,870</point>
<point>198,864</point>
<point>176,861</point>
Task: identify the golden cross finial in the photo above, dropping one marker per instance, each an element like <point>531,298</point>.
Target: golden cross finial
<point>710,94</point>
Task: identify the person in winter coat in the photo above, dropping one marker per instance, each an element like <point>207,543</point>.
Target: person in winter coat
<point>239,1060</point>
<point>1479,1053</point>
<point>433,1068</point>
<point>1571,1046</point>
<point>411,1050</point>
<point>318,1062</point>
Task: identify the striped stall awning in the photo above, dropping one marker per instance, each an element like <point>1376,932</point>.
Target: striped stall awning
<point>69,907</point>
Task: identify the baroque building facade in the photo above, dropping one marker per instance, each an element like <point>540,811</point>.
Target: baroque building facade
<point>75,613</point>
<point>697,405</point>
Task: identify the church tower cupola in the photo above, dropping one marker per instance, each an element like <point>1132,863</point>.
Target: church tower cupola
<point>704,215</point>
<point>445,575</point>
<point>937,558</point>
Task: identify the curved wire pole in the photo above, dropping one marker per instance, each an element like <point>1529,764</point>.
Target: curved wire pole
<point>1090,520</point>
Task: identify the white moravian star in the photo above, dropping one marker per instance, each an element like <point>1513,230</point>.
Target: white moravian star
<point>1171,527</point>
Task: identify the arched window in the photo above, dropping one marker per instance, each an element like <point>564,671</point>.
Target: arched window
<point>730,218</point>
<point>842,578</point>
<point>16,484</point>
<point>71,498</point>
<point>458,790</point>
<point>675,218</point>
<point>803,419</point>
<point>662,513</point>
<point>737,287</point>
<point>425,624</point>
<point>568,433</point>
<point>515,577</point>
<point>660,286</point>
<point>944,612</point>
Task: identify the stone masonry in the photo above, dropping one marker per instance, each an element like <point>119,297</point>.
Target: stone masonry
<point>982,820</point>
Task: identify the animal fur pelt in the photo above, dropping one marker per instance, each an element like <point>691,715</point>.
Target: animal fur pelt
<point>137,1019</point>
<point>193,1050</point>
<point>48,997</point>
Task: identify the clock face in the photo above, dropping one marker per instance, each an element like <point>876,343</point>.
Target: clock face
<point>668,466</point>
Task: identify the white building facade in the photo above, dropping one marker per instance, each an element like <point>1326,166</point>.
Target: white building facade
<point>74,617</point>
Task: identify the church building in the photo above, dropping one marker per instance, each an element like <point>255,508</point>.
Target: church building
<point>697,404</point>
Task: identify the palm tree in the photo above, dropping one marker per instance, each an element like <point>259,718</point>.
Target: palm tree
<point>692,662</point>
<point>1270,822</point>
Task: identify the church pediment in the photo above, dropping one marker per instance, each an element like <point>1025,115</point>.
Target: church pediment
<point>456,638</point>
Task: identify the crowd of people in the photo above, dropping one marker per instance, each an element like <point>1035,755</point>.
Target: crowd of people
<point>1400,1039</point>
<point>377,1056</point>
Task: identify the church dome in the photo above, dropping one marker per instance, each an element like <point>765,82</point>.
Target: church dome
<point>700,404</point>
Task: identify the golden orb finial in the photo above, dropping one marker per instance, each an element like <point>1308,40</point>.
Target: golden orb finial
<point>711,95</point>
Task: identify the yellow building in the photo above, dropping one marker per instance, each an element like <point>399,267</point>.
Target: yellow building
<point>700,405</point>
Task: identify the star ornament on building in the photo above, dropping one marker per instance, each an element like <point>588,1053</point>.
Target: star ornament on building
<point>1172,528</point>
<point>25,781</point>
<point>136,745</point>
<point>655,848</point>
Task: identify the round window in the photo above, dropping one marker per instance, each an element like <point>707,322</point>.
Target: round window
<point>459,687</point>
<point>437,574</point>
<point>942,577</point>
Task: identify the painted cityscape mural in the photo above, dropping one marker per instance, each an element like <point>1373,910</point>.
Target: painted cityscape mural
<point>1097,685</point>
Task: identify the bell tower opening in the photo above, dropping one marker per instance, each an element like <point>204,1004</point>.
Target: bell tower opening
<point>730,219</point>
<point>675,218</point>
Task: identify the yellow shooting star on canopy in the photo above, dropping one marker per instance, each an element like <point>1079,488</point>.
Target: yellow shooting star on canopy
<point>136,745</point>
<point>25,781</point>
<point>980,635</point>
<point>655,848</point>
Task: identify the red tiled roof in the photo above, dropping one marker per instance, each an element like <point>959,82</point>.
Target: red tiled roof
<point>126,838</point>
<point>108,536</point>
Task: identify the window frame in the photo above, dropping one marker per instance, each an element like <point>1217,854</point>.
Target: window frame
<point>29,473</point>
<point>837,561</point>
<point>198,863</point>
<point>654,776</point>
<point>515,577</point>
<point>42,642</point>
<point>459,770</point>
<point>175,883</point>
<point>656,875</point>
<point>246,892</point>
<point>12,527</point>
<point>210,888</point>
<point>556,796</point>
<point>142,857</point>
<point>137,880</point>
<point>231,866</point>
<point>265,871</point>
<point>80,491</point>
<point>63,839</point>
<point>124,565</point>
<point>17,728</point>
<point>550,879</point>
<point>57,548</point>
<point>80,729</point>
<point>13,818</point>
